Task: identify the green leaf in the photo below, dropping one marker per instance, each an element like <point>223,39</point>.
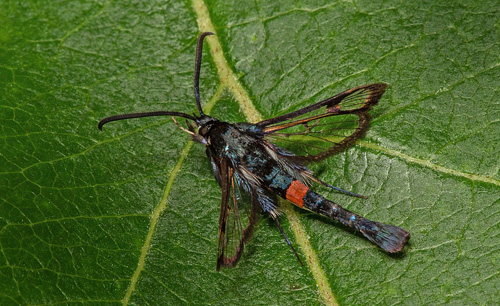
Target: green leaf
<point>129,215</point>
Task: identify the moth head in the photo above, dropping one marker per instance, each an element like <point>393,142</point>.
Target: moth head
<point>200,131</point>
<point>205,123</point>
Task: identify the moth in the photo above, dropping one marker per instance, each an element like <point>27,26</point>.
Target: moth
<point>254,163</point>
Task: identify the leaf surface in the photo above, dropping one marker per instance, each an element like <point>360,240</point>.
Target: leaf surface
<point>129,215</point>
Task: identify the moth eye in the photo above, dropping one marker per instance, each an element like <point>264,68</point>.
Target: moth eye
<point>203,130</point>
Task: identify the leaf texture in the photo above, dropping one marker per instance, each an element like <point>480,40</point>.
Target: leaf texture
<point>129,215</point>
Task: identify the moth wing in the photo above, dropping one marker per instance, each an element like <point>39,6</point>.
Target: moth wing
<point>233,213</point>
<point>330,126</point>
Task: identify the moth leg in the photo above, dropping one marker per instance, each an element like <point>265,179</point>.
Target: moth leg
<point>335,188</point>
<point>182,128</point>
<point>275,218</point>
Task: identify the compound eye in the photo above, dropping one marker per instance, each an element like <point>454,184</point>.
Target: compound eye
<point>203,130</point>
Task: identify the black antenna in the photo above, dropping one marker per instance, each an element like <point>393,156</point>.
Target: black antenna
<point>139,115</point>
<point>197,66</point>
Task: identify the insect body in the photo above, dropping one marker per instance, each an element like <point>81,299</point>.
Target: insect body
<point>256,162</point>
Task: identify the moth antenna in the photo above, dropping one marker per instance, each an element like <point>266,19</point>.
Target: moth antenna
<point>141,115</point>
<point>197,67</point>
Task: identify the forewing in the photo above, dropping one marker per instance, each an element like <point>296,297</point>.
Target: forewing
<point>327,127</point>
<point>234,214</point>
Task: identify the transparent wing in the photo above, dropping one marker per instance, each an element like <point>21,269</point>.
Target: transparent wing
<point>234,215</point>
<point>327,127</point>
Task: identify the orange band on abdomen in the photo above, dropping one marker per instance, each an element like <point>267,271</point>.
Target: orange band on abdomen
<point>296,193</point>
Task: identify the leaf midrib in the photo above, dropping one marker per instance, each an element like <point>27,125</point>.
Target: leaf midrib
<point>228,78</point>
<point>229,81</point>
